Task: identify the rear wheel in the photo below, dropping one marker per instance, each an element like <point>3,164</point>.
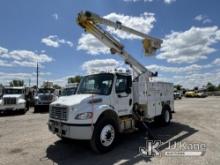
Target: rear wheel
<point>165,118</point>
<point>104,135</point>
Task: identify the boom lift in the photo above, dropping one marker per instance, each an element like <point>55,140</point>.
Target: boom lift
<point>107,104</point>
<point>90,22</point>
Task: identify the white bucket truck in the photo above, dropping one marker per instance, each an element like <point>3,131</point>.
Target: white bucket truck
<point>107,104</point>
<point>13,99</point>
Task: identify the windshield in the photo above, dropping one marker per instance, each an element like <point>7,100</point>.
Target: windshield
<point>45,90</point>
<point>69,91</point>
<point>96,84</point>
<point>13,91</point>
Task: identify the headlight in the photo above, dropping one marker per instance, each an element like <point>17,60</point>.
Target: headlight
<point>84,116</point>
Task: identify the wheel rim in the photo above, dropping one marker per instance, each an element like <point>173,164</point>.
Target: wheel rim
<point>107,135</point>
<point>167,116</point>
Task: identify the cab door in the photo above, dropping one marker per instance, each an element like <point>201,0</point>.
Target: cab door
<point>123,95</point>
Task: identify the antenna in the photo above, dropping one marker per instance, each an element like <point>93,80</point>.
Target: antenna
<point>37,74</point>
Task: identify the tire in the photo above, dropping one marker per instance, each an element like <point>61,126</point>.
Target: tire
<point>165,118</point>
<point>27,106</point>
<point>104,135</point>
<point>65,140</point>
<point>36,109</point>
<point>23,111</point>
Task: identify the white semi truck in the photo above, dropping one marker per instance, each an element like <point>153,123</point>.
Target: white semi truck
<point>13,99</point>
<point>107,104</point>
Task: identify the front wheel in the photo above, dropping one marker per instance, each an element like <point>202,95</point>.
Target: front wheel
<point>104,135</point>
<point>23,111</point>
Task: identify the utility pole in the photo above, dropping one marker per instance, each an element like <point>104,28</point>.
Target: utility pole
<point>29,82</point>
<point>37,75</point>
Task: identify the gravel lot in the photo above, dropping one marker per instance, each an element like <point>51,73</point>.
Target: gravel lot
<point>25,139</point>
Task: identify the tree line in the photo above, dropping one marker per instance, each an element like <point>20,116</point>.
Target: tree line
<point>209,87</point>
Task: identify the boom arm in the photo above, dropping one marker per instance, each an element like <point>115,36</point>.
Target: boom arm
<point>89,21</point>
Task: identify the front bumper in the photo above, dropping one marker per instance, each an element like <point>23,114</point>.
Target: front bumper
<point>42,103</point>
<point>72,131</point>
<point>16,107</point>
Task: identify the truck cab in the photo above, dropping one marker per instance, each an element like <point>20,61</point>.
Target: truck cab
<point>104,106</point>
<point>13,99</point>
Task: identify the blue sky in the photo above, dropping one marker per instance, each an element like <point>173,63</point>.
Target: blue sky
<point>46,31</point>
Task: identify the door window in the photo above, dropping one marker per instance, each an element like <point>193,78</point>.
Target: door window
<point>121,84</point>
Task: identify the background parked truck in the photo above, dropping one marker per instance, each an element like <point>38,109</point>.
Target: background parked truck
<point>13,99</point>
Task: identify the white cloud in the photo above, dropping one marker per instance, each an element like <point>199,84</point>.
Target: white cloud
<point>23,58</point>
<point>198,79</point>
<point>188,76</point>
<point>203,18</point>
<point>184,70</point>
<point>42,73</point>
<point>138,0</point>
<point>4,63</point>
<point>55,16</point>
<point>62,81</point>
<point>6,77</point>
<point>199,17</point>
<point>55,41</point>
<point>216,61</point>
<point>165,1</point>
<point>14,75</point>
<point>143,23</point>
<point>50,42</point>
<point>192,80</point>
<point>91,45</point>
<point>97,65</point>
<point>169,1</point>
<point>207,20</point>
<point>30,56</point>
<point>189,46</point>
<point>3,51</point>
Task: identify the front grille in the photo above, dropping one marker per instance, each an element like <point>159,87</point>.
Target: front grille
<point>9,100</point>
<point>59,112</point>
<point>46,97</point>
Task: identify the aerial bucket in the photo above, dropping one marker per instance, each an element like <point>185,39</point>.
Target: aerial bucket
<point>150,46</point>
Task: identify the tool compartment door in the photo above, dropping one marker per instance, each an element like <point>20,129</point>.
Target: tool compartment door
<point>151,103</point>
<point>158,106</point>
